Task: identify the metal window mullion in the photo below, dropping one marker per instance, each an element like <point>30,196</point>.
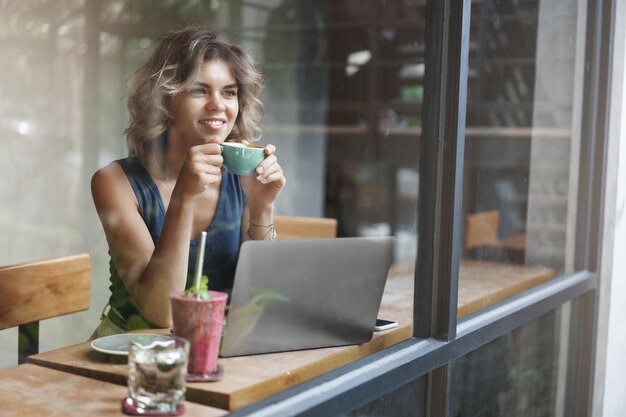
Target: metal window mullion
<point>439,381</point>
<point>594,128</point>
<point>579,380</point>
<point>590,204</point>
<point>441,185</point>
<point>441,169</point>
<point>427,238</point>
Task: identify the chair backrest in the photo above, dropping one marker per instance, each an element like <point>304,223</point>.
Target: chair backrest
<point>298,227</point>
<point>482,229</point>
<point>33,291</point>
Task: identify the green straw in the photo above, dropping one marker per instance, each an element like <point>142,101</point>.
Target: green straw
<point>199,263</point>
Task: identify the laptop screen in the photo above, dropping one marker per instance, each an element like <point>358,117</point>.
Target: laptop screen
<point>302,294</point>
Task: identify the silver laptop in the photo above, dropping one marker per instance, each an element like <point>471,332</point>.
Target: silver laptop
<point>302,294</point>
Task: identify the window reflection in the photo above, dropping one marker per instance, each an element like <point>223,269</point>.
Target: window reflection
<point>514,375</point>
<point>344,90</point>
<point>521,141</point>
<point>343,98</point>
<point>406,401</point>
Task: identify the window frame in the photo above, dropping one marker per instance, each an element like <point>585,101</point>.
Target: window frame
<point>438,339</point>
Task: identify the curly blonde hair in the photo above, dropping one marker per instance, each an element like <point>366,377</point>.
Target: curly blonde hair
<point>174,66</point>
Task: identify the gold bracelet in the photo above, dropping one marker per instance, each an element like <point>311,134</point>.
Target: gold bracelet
<point>260,225</point>
<point>271,230</point>
<point>272,237</point>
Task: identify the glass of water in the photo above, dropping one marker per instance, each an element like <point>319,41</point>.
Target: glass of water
<point>156,375</point>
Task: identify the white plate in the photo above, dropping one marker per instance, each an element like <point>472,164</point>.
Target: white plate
<point>118,343</point>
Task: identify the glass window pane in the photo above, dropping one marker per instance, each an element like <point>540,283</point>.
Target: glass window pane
<point>517,374</point>
<point>406,401</point>
<point>521,149</point>
<point>343,91</point>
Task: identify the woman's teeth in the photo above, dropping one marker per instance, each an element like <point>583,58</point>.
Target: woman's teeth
<point>214,123</point>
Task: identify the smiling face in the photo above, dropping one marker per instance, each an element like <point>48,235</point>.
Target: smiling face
<point>206,111</point>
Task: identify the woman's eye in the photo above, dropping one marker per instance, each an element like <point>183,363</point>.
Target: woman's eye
<point>196,91</point>
<point>230,93</point>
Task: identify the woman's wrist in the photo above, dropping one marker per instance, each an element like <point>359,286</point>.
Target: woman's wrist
<point>262,215</point>
<point>261,231</point>
<point>181,196</point>
<point>261,223</point>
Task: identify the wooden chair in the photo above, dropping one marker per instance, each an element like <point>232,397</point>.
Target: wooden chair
<point>298,227</point>
<point>39,290</point>
<point>481,233</point>
<point>482,229</point>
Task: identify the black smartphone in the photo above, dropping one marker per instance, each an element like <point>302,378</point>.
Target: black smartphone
<point>384,325</point>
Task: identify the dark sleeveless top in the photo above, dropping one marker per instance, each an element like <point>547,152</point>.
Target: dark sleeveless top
<point>222,243</point>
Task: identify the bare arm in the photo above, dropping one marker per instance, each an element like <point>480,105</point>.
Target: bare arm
<point>151,272</point>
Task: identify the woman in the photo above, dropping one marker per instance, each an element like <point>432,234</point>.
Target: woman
<point>194,92</point>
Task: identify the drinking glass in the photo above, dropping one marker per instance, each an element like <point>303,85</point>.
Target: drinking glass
<point>200,321</point>
<point>156,376</point>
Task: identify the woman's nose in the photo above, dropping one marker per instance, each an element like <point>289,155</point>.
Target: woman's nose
<point>216,104</point>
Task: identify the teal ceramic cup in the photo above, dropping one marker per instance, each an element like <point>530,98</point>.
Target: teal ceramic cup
<point>240,158</point>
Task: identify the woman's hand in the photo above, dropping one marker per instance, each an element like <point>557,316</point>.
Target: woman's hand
<point>261,190</point>
<point>202,167</point>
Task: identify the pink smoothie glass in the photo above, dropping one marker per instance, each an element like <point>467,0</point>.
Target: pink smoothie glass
<point>200,321</point>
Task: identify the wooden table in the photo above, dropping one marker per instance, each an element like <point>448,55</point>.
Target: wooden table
<point>482,283</point>
<point>31,390</point>
<point>251,378</point>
